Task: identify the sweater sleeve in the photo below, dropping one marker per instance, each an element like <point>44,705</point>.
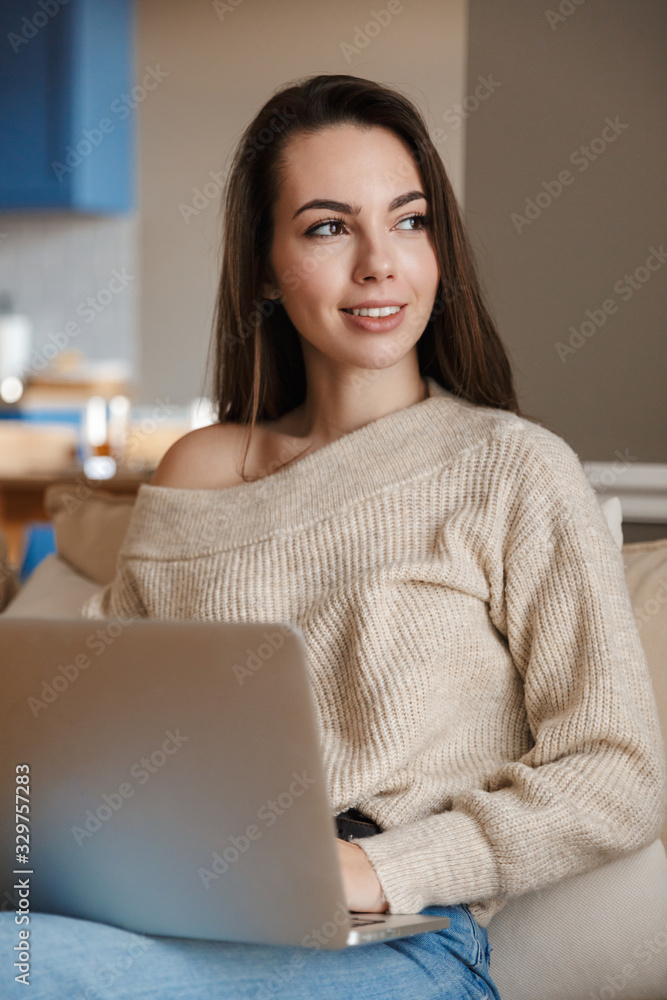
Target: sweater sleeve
<point>593,785</point>
<point>118,599</point>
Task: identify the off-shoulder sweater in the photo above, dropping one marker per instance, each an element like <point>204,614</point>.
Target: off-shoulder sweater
<point>479,681</point>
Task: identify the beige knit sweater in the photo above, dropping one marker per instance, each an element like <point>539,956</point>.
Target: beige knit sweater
<point>481,688</point>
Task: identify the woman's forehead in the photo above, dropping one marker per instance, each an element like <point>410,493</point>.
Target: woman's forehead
<point>337,161</point>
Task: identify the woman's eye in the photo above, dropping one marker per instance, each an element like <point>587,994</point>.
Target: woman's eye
<point>325,225</point>
<point>421,220</point>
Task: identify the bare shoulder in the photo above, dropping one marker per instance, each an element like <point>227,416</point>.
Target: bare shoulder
<point>212,458</point>
<point>205,458</point>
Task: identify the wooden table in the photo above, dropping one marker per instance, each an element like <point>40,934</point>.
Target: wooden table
<point>22,498</point>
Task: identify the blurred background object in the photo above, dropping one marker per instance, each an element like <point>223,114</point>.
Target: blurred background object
<point>15,344</point>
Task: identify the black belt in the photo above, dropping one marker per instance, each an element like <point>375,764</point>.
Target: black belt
<point>353,823</point>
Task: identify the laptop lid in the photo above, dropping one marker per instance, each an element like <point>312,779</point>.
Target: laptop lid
<point>174,784</point>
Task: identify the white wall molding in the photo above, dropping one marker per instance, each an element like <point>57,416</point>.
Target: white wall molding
<point>640,486</point>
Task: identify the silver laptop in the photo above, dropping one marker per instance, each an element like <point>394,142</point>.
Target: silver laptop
<point>168,780</point>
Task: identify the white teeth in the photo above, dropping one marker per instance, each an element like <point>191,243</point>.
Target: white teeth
<point>385,311</point>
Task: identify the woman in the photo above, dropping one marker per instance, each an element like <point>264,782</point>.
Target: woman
<point>481,687</point>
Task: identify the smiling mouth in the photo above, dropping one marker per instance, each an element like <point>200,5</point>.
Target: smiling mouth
<point>376,313</point>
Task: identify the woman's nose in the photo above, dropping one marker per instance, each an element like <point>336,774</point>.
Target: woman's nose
<point>374,260</point>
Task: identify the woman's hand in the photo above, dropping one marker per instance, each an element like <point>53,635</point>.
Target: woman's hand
<point>363,891</point>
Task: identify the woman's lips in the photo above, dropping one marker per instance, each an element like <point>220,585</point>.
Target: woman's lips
<point>376,324</point>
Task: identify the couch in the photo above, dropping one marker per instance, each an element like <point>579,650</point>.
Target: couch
<point>598,935</point>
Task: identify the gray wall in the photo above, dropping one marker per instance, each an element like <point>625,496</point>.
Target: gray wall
<point>559,81</point>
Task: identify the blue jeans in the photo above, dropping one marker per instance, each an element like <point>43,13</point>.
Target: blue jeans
<point>84,960</point>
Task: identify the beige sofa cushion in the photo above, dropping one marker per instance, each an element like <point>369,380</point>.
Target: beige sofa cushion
<point>89,528</point>
<point>53,590</point>
<point>646,576</point>
<point>599,934</point>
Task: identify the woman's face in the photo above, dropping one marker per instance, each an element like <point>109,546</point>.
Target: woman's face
<point>327,258</point>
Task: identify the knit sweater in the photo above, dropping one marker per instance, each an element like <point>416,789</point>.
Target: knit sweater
<point>479,681</point>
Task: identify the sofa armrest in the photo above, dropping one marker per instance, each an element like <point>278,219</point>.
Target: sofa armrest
<point>600,933</point>
<point>53,590</point>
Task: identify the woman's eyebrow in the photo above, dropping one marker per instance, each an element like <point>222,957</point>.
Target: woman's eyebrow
<point>341,206</point>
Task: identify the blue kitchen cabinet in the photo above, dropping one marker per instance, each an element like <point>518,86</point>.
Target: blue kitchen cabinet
<point>67,106</point>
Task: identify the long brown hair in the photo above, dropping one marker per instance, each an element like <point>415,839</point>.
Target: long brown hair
<point>259,372</point>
